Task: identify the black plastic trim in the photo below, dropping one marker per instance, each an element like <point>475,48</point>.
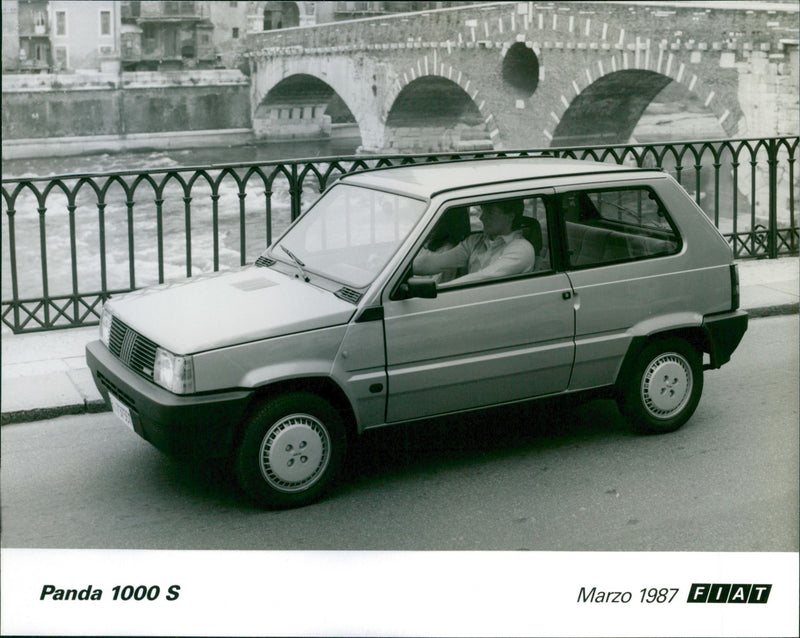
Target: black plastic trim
<point>199,425</point>
<point>725,332</point>
<point>373,313</point>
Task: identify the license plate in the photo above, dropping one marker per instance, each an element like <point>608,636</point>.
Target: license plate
<point>122,411</point>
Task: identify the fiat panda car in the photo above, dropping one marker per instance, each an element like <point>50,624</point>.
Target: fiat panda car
<point>622,284</point>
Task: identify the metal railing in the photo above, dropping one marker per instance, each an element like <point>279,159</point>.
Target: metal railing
<point>71,241</point>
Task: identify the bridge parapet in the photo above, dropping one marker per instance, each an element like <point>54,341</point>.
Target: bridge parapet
<point>690,26</point>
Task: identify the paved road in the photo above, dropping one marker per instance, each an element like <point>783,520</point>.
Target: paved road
<point>527,478</point>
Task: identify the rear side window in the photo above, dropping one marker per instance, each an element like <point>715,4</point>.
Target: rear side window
<point>615,225</point>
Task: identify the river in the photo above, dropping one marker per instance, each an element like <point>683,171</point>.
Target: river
<point>150,160</point>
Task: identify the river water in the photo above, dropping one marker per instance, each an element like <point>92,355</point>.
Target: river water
<point>150,160</point>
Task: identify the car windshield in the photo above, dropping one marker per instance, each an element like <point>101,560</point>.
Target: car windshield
<point>349,234</point>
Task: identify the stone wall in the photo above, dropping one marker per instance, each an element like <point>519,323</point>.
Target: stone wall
<point>770,106</point>
<point>434,139</point>
<point>56,106</point>
<point>60,113</point>
<point>768,95</point>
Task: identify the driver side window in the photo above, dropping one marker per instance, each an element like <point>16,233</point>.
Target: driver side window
<point>489,240</point>
<point>454,227</point>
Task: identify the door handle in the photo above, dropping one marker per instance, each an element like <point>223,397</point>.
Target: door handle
<point>566,295</point>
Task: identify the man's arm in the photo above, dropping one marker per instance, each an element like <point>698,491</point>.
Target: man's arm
<point>517,257</point>
<point>430,263</point>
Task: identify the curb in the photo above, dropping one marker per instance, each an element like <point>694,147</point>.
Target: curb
<point>773,311</point>
<point>40,414</point>
<point>95,406</point>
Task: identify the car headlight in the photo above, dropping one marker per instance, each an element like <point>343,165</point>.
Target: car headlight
<point>105,326</point>
<point>173,372</point>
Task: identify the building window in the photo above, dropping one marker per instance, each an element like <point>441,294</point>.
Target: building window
<point>171,42</point>
<point>41,52</point>
<point>60,58</point>
<point>39,22</point>
<point>235,33</point>
<point>105,23</point>
<point>61,23</point>
<point>148,38</point>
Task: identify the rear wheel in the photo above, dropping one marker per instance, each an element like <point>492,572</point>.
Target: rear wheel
<point>664,386</point>
<point>292,449</point>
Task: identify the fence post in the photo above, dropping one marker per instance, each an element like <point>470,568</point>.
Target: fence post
<point>12,256</point>
<point>772,231</point>
<point>295,193</point>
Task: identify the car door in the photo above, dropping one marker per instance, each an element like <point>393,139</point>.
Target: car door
<point>622,254</point>
<point>479,345</point>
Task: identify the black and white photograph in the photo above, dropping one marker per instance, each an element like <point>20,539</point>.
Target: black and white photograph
<point>400,318</point>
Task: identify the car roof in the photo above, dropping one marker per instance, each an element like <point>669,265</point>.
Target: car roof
<point>430,178</point>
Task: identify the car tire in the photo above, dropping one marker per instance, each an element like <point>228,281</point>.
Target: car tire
<point>663,388</point>
<point>292,449</point>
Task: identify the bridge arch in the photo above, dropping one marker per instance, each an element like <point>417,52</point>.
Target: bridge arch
<point>605,102</point>
<point>531,40</point>
<point>435,107</point>
<point>300,106</point>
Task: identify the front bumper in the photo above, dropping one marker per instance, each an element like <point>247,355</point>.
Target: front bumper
<point>724,331</point>
<point>201,425</point>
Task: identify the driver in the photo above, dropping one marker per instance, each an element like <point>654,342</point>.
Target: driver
<point>498,251</point>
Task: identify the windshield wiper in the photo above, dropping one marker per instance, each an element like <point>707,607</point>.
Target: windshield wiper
<point>300,265</point>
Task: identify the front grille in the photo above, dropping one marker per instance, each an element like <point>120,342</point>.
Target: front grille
<point>134,350</point>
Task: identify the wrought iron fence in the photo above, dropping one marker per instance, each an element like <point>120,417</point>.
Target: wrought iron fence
<point>71,241</point>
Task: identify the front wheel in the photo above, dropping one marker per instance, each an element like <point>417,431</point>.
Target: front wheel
<point>664,386</point>
<point>292,448</point>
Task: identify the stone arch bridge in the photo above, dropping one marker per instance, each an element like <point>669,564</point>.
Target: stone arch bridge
<point>509,75</point>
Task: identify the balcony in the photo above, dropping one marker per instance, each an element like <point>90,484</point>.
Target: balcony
<point>361,9</point>
<point>33,31</point>
<point>171,11</point>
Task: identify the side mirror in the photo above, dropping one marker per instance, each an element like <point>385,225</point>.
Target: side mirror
<point>422,287</point>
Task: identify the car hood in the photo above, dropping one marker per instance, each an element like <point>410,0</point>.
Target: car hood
<point>227,308</point>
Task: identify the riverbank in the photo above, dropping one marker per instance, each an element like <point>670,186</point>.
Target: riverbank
<point>32,148</point>
<point>78,145</point>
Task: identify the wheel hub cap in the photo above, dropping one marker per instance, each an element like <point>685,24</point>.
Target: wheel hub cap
<point>294,453</point>
<point>667,385</point>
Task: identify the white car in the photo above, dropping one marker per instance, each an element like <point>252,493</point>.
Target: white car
<point>627,287</point>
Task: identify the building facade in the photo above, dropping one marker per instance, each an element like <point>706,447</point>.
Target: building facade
<point>164,35</point>
<point>84,35</point>
<point>34,52</point>
<point>230,31</point>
